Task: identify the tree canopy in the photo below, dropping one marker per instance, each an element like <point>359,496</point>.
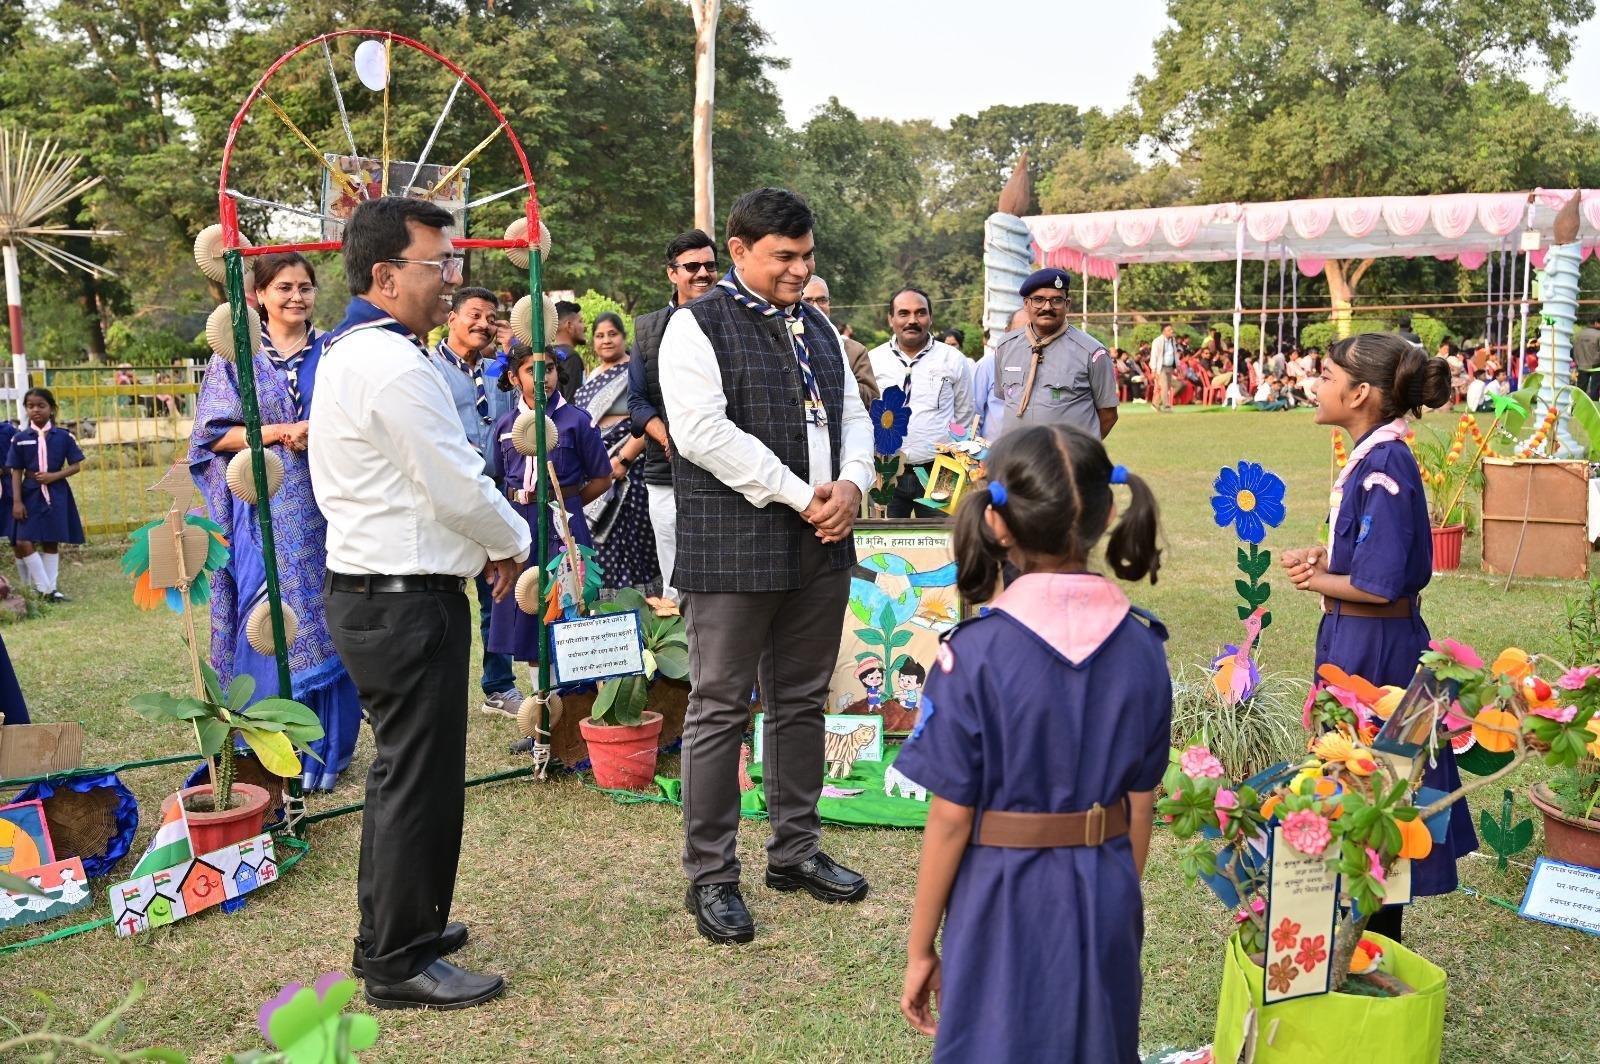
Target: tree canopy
<point>1260,100</point>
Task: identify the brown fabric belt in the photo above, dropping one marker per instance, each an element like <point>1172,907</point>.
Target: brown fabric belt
<point>1398,608</point>
<point>1039,831</point>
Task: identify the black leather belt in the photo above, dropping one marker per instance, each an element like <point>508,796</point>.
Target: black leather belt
<point>382,585</point>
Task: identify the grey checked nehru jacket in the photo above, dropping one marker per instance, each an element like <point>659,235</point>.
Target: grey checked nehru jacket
<point>724,543</point>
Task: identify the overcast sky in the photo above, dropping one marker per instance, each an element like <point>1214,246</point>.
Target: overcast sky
<point>904,59</point>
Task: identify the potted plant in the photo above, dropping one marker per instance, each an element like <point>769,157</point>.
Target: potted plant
<point>1445,476</point>
<point>226,811</point>
<point>1359,813</point>
<point>622,734</point>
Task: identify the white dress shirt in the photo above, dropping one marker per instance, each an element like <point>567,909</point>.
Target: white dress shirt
<point>402,489</point>
<point>939,380</point>
<point>697,410</point>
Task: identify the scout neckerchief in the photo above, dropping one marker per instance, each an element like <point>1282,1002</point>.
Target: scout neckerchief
<point>473,370</point>
<point>1038,343</point>
<point>1394,430</point>
<point>43,431</point>
<point>289,364</point>
<point>909,362</point>
<point>815,414</point>
<point>361,314</point>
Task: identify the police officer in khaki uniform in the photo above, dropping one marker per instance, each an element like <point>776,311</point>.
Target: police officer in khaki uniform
<point>1051,373</point>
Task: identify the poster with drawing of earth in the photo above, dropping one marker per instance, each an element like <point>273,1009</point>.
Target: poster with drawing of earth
<point>902,599</point>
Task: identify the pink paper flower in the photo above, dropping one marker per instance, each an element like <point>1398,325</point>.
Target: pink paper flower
<point>1307,832</point>
<point>1197,763</point>
<point>1460,652</point>
<point>1225,800</point>
<point>1375,866</point>
<point>1305,711</point>
<point>1563,714</point>
<point>1576,678</point>
<point>1257,906</point>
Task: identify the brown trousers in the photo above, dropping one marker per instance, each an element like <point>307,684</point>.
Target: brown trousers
<point>791,638</point>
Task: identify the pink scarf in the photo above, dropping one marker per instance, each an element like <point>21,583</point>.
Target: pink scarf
<point>43,431</point>
<point>1073,612</point>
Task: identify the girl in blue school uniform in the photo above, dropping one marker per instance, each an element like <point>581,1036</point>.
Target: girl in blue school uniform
<point>8,498</point>
<point>1380,553</point>
<point>583,469</point>
<point>41,458</point>
<point>1055,701</point>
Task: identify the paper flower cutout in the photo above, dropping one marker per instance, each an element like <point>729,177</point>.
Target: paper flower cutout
<point>1285,934</point>
<point>1197,763</point>
<point>1512,664</point>
<point>1458,652</point>
<point>891,416</point>
<point>1576,678</point>
<point>1250,499</point>
<point>1224,801</point>
<point>1307,832</point>
<point>1313,951</point>
<point>1280,976</point>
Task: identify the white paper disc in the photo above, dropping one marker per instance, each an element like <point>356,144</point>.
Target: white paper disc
<point>372,66</point>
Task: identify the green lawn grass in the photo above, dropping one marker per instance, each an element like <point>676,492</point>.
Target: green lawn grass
<point>578,900</point>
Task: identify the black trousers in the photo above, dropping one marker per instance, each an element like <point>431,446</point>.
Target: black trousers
<point>408,653</point>
<point>907,490</point>
<point>1589,380</point>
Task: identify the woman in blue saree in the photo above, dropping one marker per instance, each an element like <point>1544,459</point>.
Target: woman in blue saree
<point>285,372</point>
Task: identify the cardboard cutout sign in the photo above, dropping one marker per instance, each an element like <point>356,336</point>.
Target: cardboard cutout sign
<point>1302,911</point>
<point>193,886</point>
<point>63,883</point>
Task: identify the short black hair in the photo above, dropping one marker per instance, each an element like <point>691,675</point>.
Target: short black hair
<point>1405,321</point>
<point>961,337</point>
<point>902,290</point>
<point>911,667</point>
<point>693,240</point>
<point>377,232</point>
<point>768,211</point>
<point>459,300</point>
<point>566,308</point>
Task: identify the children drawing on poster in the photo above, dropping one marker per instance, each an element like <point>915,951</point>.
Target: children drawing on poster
<point>902,598</point>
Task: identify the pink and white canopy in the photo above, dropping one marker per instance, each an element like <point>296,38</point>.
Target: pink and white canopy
<point>1463,226</point>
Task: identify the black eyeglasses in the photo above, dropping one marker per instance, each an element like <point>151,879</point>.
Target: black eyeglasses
<point>694,267</point>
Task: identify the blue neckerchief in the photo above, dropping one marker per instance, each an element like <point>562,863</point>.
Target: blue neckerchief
<point>795,326</point>
<point>292,364</point>
<point>361,314</point>
<point>475,370</point>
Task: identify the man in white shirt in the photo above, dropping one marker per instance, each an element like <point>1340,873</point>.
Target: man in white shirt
<point>1163,368</point>
<point>773,452</point>
<point>937,382</point>
<point>411,519</point>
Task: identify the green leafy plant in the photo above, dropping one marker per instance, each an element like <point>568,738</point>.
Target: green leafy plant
<point>1262,730</point>
<point>1449,475</point>
<point>275,728</point>
<point>1583,622</point>
<point>622,699</point>
<point>93,1044</point>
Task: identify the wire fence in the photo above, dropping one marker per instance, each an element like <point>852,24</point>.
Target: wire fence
<point>132,424</point>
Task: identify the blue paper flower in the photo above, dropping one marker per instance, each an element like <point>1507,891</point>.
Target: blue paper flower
<point>891,415</point>
<point>1250,499</point>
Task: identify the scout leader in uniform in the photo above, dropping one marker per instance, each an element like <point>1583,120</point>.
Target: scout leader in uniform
<point>1050,373</point>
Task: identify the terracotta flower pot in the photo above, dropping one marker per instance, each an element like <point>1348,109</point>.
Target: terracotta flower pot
<point>1566,838</point>
<point>213,831</point>
<point>623,756</point>
<point>1447,547</point>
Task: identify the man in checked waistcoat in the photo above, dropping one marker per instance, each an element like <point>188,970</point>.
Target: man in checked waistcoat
<point>773,451</point>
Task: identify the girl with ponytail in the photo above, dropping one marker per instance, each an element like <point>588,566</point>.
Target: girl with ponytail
<point>1044,729</point>
<point>1379,555</point>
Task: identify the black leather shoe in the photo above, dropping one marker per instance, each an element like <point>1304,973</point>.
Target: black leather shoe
<point>719,912</point>
<point>820,877</point>
<point>441,985</point>
<point>454,937</point>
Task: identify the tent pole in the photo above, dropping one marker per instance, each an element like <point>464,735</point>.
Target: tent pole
<point>1116,310</point>
<point>1283,262</point>
<point>1261,329</point>
<point>1294,281</point>
<point>1488,297</point>
<point>1083,321</point>
<point>1515,365</point>
<point>1238,299</point>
